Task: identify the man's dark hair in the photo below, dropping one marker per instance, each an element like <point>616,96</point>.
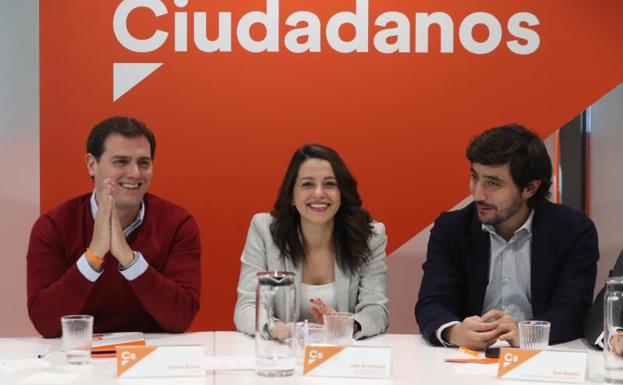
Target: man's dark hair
<point>123,125</point>
<point>522,149</point>
<point>352,226</point>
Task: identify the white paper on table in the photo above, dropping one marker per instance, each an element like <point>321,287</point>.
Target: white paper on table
<point>11,366</point>
<point>161,381</point>
<point>11,348</point>
<point>488,369</point>
<point>49,378</point>
<point>230,363</point>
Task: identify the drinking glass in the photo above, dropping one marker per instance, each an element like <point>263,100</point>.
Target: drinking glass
<point>534,334</point>
<point>339,328</point>
<point>306,333</point>
<point>77,337</point>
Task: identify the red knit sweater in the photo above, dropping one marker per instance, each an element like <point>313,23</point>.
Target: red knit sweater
<point>165,298</point>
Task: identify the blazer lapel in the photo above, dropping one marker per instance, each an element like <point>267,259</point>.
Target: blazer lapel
<point>541,257</point>
<point>298,279</point>
<point>342,283</point>
<point>477,265</point>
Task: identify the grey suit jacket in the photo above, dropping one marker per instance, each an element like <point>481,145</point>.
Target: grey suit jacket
<point>362,294</point>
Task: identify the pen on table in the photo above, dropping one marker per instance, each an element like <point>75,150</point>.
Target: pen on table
<point>472,360</point>
<point>97,353</point>
<point>104,353</point>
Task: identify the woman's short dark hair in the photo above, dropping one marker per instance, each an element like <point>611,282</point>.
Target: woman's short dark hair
<point>123,125</point>
<point>352,224</point>
<point>522,149</point>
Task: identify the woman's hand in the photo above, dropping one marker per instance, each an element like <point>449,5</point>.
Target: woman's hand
<point>616,344</point>
<point>319,309</point>
<point>279,331</point>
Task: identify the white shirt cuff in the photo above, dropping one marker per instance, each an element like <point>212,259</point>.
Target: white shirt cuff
<point>86,269</point>
<point>600,340</point>
<point>441,329</point>
<point>134,271</point>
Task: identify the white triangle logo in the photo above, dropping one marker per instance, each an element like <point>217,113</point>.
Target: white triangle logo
<point>127,75</point>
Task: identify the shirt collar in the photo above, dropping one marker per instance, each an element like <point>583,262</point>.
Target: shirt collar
<point>133,226</point>
<point>526,227</point>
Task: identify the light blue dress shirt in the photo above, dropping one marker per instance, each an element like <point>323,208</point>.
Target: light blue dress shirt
<point>509,272</point>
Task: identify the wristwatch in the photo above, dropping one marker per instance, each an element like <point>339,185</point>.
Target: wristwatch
<point>135,256</point>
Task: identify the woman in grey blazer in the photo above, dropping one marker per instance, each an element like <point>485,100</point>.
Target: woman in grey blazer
<point>318,230</point>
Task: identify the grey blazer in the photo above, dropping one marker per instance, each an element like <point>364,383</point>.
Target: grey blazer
<point>362,294</point>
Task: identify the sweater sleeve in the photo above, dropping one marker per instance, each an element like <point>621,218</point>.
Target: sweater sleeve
<point>171,296</point>
<point>55,286</point>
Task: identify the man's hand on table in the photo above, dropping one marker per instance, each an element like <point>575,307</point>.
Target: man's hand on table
<point>473,333</point>
<point>480,332</point>
<point>506,326</point>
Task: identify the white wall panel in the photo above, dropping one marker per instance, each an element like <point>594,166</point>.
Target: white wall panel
<point>19,155</point>
<point>607,178</point>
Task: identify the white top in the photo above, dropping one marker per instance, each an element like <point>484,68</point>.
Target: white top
<point>325,292</point>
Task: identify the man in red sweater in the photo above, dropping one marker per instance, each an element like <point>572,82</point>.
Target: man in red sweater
<point>130,259</point>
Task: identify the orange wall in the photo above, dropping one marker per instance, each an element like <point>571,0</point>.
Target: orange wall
<point>228,122</point>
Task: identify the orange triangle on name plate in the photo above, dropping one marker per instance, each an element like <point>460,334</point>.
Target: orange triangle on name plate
<point>128,356</point>
<point>512,358</point>
<point>318,354</point>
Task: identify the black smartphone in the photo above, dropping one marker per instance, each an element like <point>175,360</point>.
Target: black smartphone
<point>492,353</point>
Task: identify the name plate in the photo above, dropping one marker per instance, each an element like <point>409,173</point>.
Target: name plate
<point>160,361</point>
<point>347,361</point>
<point>543,365</point>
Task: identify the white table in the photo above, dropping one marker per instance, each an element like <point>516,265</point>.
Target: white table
<point>102,371</point>
<point>414,361</point>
